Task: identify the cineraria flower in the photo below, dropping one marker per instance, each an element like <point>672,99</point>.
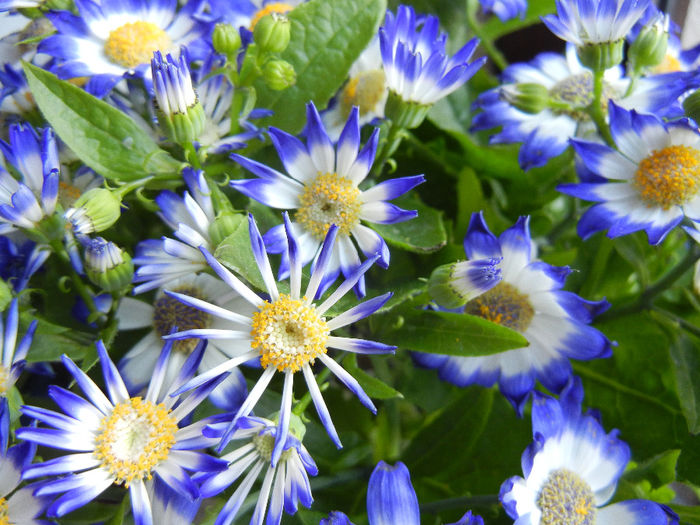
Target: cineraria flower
<point>545,134</point>
<point>583,22</point>
<point>365,88</point>
<point>530,300</point>
<point>571,470</point>
<point>15,96</point>
<point>288,332</point>
<point>415,61</point>
<point>25,203</point>
<point>18,506</point>
<point>109,39</point>
<point>505,9</point>
<point>20,258</point>
<point>122,440</point>
<point>166,313</point>
<point>283,485</point>
<point>322,186</point>
<point>652,181</point>
<point>391,499</point>
<point>191,217</point>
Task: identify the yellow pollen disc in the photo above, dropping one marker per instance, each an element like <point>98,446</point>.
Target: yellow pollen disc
<point>134,43</point>
<point>330,199</point>
<point>288,334</point>
<point>668,176</point>
<point>134,438</point>
<point>365,90</point>
<point>169,312</point>
<point>67,194</point>
<point>4,511</point>
<point>4,380</point>
<point>264,443</point>
<point>565,498</point>
<point>669,64</point>
<point>505,305</point>
<point>273,7</point>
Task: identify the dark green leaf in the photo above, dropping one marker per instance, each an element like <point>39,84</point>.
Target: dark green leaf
<point>424,234</point>
<point>373,387</point>
<point>326,38</point>
<point>685,354</point>
<point>103,137</point>
<point>450,334</point>
<point>235,252</point>
<point>5,295</point>
<point>51,341</point>
<point>659,470</point>
<point>687,514</point>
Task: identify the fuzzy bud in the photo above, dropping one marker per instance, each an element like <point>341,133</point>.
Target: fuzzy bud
<point>279,74</point>
<point>226,39</point>
<point>95,211</point>
<point>272,33</point>
<point>107,266</point>
<point>527,97</point>
<point>649,48</point>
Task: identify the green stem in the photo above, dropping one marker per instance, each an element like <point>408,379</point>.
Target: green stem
<point>459,503</point>
<point>192,155</point>
<point>687,326</point>
<point>388,147</point>
<point>596,109</point>
<point>487,43</point>
<point>126,188</point>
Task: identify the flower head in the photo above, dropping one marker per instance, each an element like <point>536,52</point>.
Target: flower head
<point>322,186</point>
<point>120,439</point>
<point>288,332</point>
<point>651,182</point>
<point>529,299</point>
<point>571,470</point>
<point>18,505</point>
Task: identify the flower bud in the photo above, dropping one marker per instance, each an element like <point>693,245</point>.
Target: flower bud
<point>454,285</point>
<point>272,33</point>
<point>649,48</point>
<point>279,74</point>
<point>226,39</point>
<point>95,211</point>
<point>527,97</point>
<point>601,56</point>
<point>107,266</point>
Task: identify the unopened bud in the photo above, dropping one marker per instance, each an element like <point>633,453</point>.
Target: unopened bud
<point>649,48</point>
<point>272,33</point>
<point>226,39</point>
<point>527,97</point>
<point>279,74</point>
<point>453,285</point>
<point>95,211</point>
<point>107,266</point>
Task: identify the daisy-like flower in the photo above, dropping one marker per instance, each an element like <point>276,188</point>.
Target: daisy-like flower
<point>529,299</point>
<point>18,506</point>
<point>120,440</point>
<point>391,499</point>
<point>109,39</point>
<point>322,186</point>
<point>571,470</point>
<point>166,313</point>
<point>652,181</point>
<point>25,203</point>
<point>365,88</point>
<point>546,134</point>
<point>190,217</point>
<point>283,485</point>
<point>288,332</point>
<point>505,9</point>
<point>416,64</point>
<point>584,22</point>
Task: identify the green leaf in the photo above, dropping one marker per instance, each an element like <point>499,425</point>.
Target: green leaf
<point>450,333</point>
<point>685,354</point>
<point>5,295</point>
<point>424,234</point>
<point>326,38</point>
<point>51,341</point>
<point>103,137</point>
<point>659,470</point>
<point>687,514</point>
<point>373,387</point>
<point>236,253</point>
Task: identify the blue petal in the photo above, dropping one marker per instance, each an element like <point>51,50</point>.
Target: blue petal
<point>479,242</point>
<point>391,498</point>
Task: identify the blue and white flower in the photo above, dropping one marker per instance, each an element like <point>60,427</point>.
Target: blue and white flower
<point>322,186</point>
<point>505,9</point>
<point>416,64</point>
<point>25,203</point>
<point>166,313</point>
<point>20,258</point>
<point>391,499</point>
<point>110,39</point>
<point>14,95</point>
<point>583,22</point>
<point>530,300</point>
<point>190,217</point>
<point>18,506</point>
<point>284,485</point>
<point>121,439</point>
<point>288,332</point>
<point>651,180</point>
<point>546,134</point>
<point>571,470</point>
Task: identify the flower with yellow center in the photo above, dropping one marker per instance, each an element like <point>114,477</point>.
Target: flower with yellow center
<point>119,439</point>
<point>653,177</point>
<point>135,42</point>
<point>18,505</point>
<point>328,200</point>
<point>288,332</point>
<point>504,305</point>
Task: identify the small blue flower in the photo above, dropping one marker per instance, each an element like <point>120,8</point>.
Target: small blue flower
<point>20,259</point>
<point>505,9</point>
<point>120,439</point>
<point>529,299</point>
<point>172,84</point>
<point>415,61</point>
<point>572,468</point>
<point>650,182</point>
<point>18,506</point>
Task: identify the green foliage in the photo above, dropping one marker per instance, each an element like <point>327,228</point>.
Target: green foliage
<point>424,234</point>
<point>51,341</point>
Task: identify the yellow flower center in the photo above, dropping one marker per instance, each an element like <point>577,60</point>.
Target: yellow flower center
<point>134,438</point>
<point>565,498</point>
<point>669,64</point>
<point>67,194</point>
<point>330,199</point>
<point>288,334</point>
<point>169,312</point>
<point>4,511</point>
<point>668,176</point>
<point>4,380</point>
<point>134,43</point>
<point>264,444</point>
<point>577,92</point>
<point>273,7</point>
<point>505,305</point>
<point>365,90</point>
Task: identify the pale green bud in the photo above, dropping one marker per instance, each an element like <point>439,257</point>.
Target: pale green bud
<point>272,33</point>
<point>279,74</point>
<point>226,39</point>
<point>95,211</point>
<point>527,97</point>
<point>107,266</point>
